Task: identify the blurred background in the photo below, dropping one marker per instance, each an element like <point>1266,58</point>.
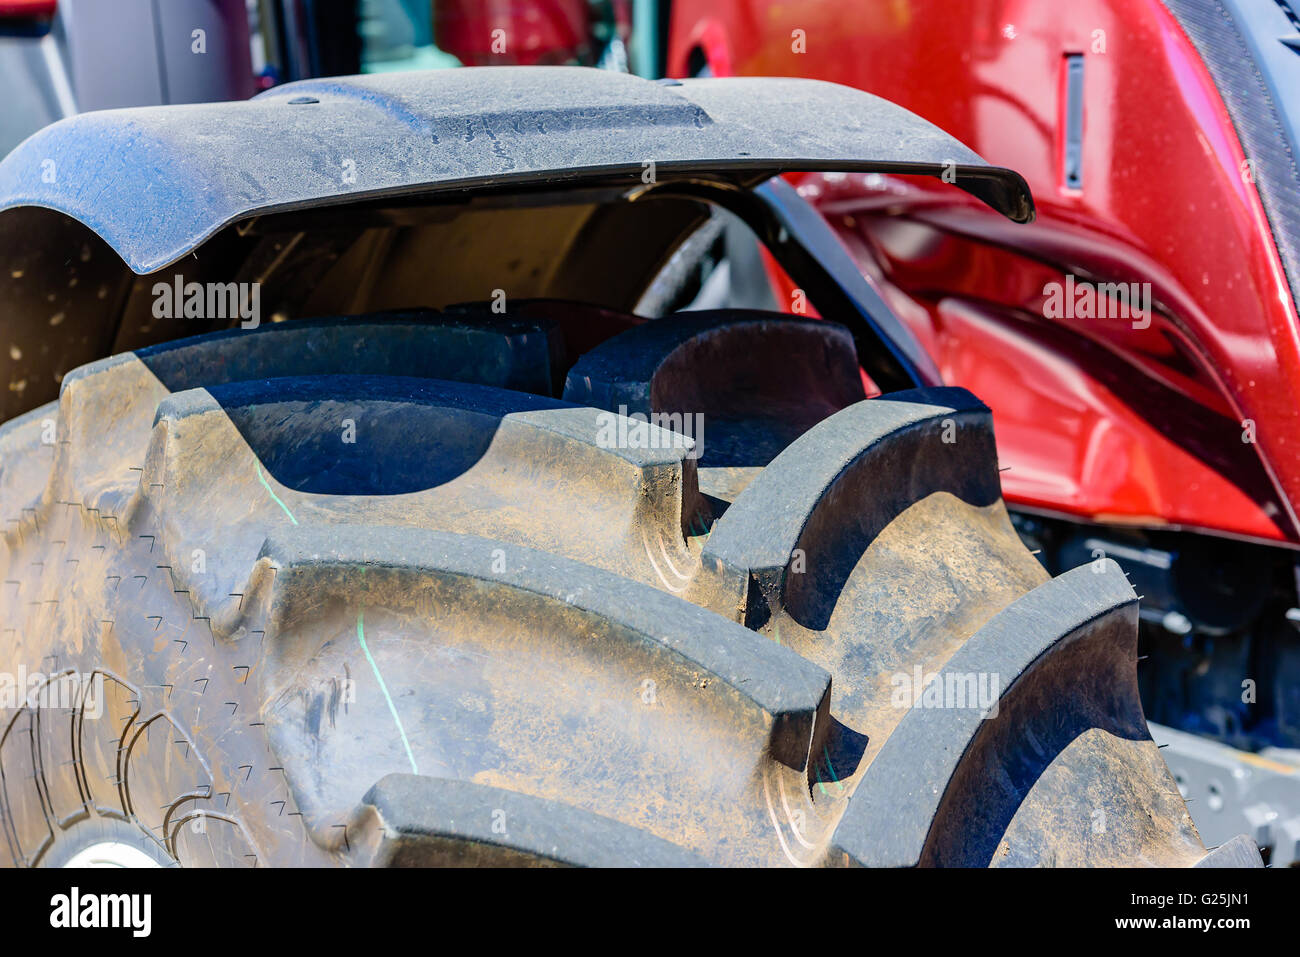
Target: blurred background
<point>59,57</point>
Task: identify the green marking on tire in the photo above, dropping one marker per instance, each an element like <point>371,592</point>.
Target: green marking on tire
<point>831,768</point>
<point>392,707</point>
<point>270,491</point>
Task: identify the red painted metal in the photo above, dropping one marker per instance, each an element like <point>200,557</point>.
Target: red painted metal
<point>1095,418</point>
<point>503,32</point>
<point>28,9</point>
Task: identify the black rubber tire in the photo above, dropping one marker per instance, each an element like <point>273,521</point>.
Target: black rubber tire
<point>347,611</point>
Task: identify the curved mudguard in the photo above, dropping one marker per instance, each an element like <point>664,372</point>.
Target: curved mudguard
<point>155,183</point>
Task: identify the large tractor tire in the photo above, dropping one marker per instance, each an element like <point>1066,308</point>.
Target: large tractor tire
<point>336,608</point>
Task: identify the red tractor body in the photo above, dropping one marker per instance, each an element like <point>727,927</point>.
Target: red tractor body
<point>1179,414</point>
